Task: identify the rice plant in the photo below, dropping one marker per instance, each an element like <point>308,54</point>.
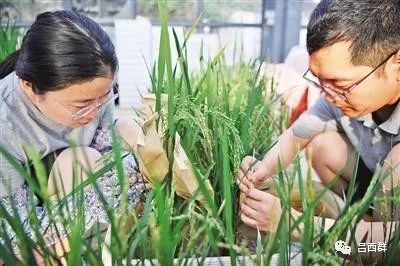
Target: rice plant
<point>9,38</point>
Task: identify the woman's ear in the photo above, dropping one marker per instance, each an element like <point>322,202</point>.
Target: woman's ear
<point>397,62</point>
<point>27,87</point>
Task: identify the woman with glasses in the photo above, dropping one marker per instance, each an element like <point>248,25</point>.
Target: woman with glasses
<point>354,49</point>
<point>56,92</point>
<point>57,98</point>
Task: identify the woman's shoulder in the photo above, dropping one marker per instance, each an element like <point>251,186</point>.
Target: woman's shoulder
<point>7,108</point>
<point>6,128</point>
<point>8,96</point>
<point>8,86</point>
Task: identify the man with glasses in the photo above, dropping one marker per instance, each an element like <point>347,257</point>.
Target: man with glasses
<point>354,49</point>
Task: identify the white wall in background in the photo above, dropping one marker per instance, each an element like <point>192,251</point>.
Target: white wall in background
<point>209,41</point>
<point>137,43</point>
<point>210,45</point>
<point>156,34</point>
<point>133,42</point>
<point>247,40</point>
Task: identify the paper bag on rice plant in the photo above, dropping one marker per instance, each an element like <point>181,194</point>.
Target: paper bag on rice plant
<point>184,178</point>
<point>151,156</point>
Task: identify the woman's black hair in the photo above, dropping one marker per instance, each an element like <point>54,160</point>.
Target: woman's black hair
<point>62,48</point>
<point>8,65</point>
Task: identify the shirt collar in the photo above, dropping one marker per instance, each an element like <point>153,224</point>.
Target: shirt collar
<point>367,121</point>
<point>392,125</point>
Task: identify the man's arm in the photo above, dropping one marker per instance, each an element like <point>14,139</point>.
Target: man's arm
<point>253,173</point>
<point>282,153</point>
<point>321,117</point>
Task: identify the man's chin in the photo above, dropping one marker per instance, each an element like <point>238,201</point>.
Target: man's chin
<point>352,113</point>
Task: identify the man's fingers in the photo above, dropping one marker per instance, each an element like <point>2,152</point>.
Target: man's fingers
<point>258,176</point>
<point>245,171</point>
<point>239,176</point>
<point>247,164</point>
<point>259,195</point>
<point>254,204</point>
<point>248,221</point>
<point>253,222</point>
<point>242,179</point>
<point>250,212</point>
<point>249,160</point>
<point>243,188</point>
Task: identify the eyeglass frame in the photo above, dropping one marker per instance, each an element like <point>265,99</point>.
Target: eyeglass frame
<point>88,109</point>
<point>343,93</point>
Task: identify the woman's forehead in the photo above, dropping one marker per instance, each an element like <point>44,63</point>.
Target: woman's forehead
<point>89,90</point>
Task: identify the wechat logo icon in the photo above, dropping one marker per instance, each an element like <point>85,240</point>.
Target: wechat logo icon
<point>341,246</point>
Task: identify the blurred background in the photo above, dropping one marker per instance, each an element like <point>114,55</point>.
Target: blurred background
<point>245,29</point>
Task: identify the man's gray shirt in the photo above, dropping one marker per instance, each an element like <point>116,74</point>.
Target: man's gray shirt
<point>21,123</point>
<point>373,142</point>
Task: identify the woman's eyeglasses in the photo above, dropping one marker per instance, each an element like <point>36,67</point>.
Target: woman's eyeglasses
<point>109,98</point>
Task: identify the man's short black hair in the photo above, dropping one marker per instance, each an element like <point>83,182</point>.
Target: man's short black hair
<point>371,26</point>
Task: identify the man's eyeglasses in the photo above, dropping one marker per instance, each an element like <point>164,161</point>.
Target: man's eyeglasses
<point>109,98</point>
<point>342,93</point>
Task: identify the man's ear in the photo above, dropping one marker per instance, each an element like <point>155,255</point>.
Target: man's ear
<point>28,88</point>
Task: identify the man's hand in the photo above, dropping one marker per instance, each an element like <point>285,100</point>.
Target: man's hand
<point>261,210</point>
<point>251,173</point>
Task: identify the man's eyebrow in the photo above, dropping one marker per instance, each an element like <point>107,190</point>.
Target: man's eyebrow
<point>334,78</point>
<point>89,100</point>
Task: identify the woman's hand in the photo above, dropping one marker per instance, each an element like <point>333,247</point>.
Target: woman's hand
<point>261,210</point>
<point>251,173</point>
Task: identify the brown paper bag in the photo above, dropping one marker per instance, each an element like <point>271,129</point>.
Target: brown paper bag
<point>151,156</point>
<point>184,178</point>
